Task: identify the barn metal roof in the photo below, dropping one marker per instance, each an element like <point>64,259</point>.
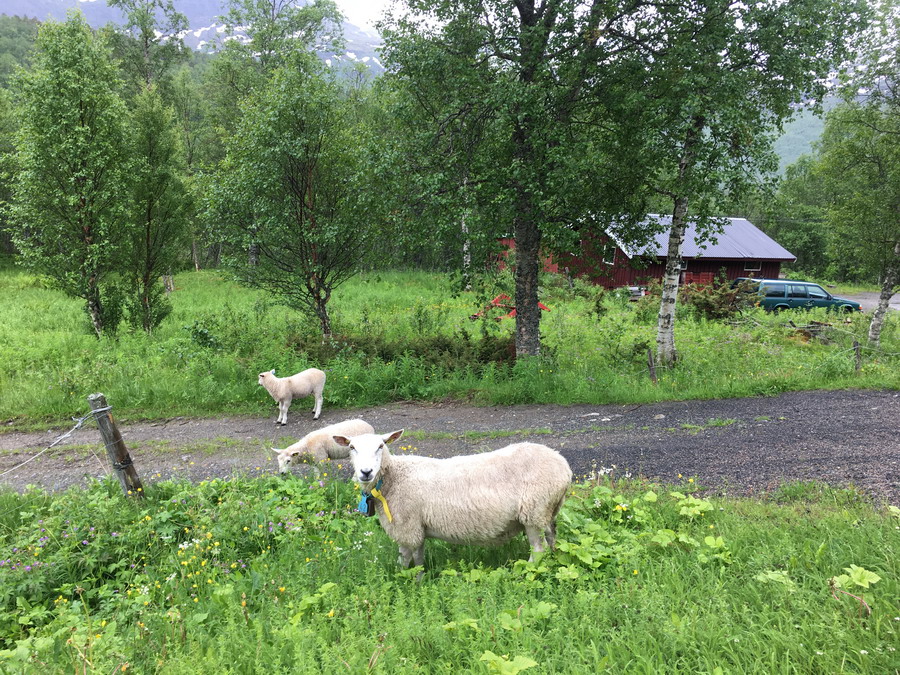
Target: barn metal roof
<point>739,239</point>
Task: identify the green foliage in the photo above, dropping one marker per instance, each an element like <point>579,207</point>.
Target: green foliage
<point>204,359</point>
<point>856,576</point>
<point>180,579</point>
<point>718,300</point>
<point>160,206</point>
<point>860,165</point>
<point>796,219</point>
<point>17,36</point>
<point>149,44</point>
<point>70,194</point>
<point>288,191</point>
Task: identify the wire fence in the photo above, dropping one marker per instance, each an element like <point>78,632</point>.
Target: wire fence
<point>79,422</point>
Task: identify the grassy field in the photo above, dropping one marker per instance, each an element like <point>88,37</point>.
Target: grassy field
<point>259,574</point>
<point>401,336</point>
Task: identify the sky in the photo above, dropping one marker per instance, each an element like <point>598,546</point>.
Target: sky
<point>363,13</point>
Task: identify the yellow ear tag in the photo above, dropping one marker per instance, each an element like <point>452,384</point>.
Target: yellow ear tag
<point>380,497</point>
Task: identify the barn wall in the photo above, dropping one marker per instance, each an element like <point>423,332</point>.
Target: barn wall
<point>590,265</point>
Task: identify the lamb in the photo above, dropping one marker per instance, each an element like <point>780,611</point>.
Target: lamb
<point>284,389</point>
<point>477,499</point>
<point>319,444</point>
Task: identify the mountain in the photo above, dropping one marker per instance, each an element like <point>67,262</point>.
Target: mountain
<point>205,26</point>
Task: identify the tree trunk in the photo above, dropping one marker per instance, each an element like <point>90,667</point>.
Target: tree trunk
<point>666,353</point>
<point>195,256</point>
<point>527,219</point>
<point>665,325</point>
<point>466,253</point>
<point>95,309</point>
<point>324,319</point>
<point>888,286</point>
<point>527,235</point>
<point>528,314</point>
<point>321,294</point>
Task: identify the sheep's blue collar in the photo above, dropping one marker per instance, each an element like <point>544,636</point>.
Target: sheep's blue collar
<point>364,502</point>
<point>377,487</point>
<point>376,493</point>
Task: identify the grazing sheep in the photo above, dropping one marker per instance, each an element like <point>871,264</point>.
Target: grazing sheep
<point>319,444</point>
<point>476,499</point>
<point>284,389</point>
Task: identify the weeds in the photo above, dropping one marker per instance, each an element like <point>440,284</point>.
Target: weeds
<point>270,575</point>
<point>401,336</point>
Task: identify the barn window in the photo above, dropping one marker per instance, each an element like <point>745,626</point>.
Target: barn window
<point>752,266</point>
<point>683,265</point>
<point>609,255</point>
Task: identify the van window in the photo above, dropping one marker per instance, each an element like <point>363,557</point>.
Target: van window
<point>797,291</point>
<point>773,290</point>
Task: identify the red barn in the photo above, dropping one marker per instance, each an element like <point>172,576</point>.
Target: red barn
<point>742,250</point>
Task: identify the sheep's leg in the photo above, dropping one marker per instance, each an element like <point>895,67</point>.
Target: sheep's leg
<point>551,534</point>
<point>317,410</point>
<point>419,560</point>
<point>283,407</point>
<point>406,556</point>
<point>536,539</point>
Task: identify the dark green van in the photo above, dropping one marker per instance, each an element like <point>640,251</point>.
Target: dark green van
<point>778,294</point>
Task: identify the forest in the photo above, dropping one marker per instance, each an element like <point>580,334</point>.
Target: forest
<point>128,157</point>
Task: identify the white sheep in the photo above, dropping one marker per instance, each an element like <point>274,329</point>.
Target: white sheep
<point>475,499</point>
<point>319,445</point>
<point>284,389</point>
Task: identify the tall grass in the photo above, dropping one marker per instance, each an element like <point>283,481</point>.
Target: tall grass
<point>283,576</point>
<point>402,335</point>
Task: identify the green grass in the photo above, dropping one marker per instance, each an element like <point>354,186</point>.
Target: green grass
<point>283,576</point>
<point>400,336</point>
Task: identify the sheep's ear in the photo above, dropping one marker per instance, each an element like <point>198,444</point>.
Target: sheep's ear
<point>272,371</point>
<point>393,436</point>
<point>341,440</point>
<point>295,453</point>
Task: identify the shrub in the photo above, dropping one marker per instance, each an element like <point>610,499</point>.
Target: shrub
<point>718,300</point>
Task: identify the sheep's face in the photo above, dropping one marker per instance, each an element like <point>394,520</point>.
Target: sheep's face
<point>265,376</point>
<point>366,453</point>
<point>285,457</point>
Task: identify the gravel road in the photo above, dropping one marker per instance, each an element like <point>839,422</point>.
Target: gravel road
<point>739,446</point>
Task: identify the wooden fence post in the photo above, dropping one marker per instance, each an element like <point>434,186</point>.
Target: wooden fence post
<point>115,446</point>
<point>858,355</point>
<point>651,365</point>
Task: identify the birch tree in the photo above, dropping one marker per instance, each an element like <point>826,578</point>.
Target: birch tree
<point>291,185</point>
<point>718,86</point>
<point>71,193</point>
<point>150,42</point>
<point>159,210</point>
<point>859,161</point>
<point>525,87</point>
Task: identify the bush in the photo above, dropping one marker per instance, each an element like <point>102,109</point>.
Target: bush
<point>718,300</point>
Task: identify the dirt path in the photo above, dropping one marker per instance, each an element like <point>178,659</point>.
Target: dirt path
<point>742,446</point>
<point>869,300</point>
